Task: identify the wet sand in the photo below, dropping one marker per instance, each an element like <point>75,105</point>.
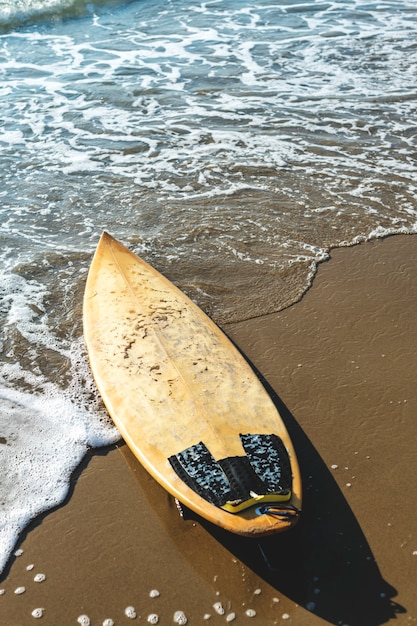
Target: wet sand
<point>341,366</point>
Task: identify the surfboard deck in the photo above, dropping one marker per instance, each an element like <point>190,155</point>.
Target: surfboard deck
<point>177,389</point>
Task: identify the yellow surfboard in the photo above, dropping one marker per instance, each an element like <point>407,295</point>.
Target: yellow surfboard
<point>185,400</point>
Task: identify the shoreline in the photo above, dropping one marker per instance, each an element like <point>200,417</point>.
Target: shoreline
<point>340,365</point>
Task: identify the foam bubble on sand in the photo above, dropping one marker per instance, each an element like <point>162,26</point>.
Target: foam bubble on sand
<point>84,620</point>
<point>37,613</point>
<point>180,618</point>
<point>153,618</point>
<point>130,612</point>
<point>39,578</point>
<point>218,607</point>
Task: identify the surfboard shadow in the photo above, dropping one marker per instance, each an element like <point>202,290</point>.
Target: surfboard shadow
<point>324,564</point>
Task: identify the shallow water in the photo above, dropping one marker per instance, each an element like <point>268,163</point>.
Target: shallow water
<point>230,144</point>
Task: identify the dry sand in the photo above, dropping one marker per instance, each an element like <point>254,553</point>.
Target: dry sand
<point>343,363</point>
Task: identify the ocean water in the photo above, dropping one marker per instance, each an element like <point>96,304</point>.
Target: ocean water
<point>231,144</point>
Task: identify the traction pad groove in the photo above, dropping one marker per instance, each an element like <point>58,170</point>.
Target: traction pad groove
<point>264,470</point>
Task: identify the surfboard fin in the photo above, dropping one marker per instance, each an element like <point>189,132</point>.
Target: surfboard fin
<point>238,482</point>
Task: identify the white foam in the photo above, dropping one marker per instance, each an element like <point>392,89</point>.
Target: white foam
<point>45,428</point>
<point>180,618</point>
<point>44,437</point>
<point>130,612</point>
<point>218,607</point>
<point>14,14</point>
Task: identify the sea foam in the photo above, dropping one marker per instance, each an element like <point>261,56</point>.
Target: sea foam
<point>43,439</point>
<point>44,434</point>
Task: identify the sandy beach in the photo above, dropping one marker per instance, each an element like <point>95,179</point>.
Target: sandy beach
<point>340,365</point>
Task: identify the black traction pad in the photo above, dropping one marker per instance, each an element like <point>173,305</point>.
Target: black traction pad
<point>264,470</point>
<point>269,458</point>
<point>198,469</point>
